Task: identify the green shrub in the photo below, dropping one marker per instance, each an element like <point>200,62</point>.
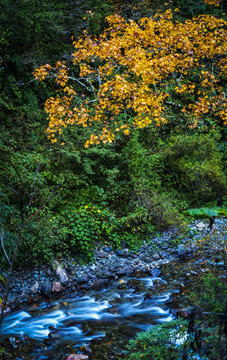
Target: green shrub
<point>165,341</point>
<point>193,167</point>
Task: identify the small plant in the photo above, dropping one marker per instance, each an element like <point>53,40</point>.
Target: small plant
<point>161,342</point>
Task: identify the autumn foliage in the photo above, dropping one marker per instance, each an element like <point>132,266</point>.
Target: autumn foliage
<point>128,75</point>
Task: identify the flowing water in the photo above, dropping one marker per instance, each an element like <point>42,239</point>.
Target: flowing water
<point>103,319</point>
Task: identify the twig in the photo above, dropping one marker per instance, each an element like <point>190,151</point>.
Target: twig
<point>16,192</point>
<point>3,247</point>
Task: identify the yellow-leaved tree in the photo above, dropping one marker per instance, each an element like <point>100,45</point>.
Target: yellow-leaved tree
<point>134,70</point>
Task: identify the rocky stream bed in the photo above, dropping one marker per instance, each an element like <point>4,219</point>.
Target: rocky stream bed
<point>86,307</point>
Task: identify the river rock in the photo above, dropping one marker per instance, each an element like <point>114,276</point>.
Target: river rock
<point>155,272</point>
<point>156,256</point>
<point>201,225</point>
<point>164,254</point>
<point>46,288</point>
<point>35,288</point>
<point>123,252</point>
<point>101,254</point>
<point>86,349</point>
<point>56,287</point>
<point>181,251</point>
<point>60,273</point>
<point>76,357</point>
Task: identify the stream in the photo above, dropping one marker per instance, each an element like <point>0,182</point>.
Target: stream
<point>104,320</point>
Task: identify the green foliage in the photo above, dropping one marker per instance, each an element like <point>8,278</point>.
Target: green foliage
<point>205,213</point>
<point>193,167</point>
<point>162,342</point>
<point>85,222</point>
<point>214,298</point>
<point>191,8</point>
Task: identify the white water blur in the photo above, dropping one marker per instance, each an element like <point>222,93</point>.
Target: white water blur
<point>66,319</point>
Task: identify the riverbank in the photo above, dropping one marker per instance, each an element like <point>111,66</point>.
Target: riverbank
<point>69,277</point>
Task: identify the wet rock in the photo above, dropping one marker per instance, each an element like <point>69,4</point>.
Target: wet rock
<point>101,254</point>
<point>13,342</point>
<point>181,251</point>
<point>164,254</point>
<point>86,349</point>
<point>56,287</point>
<point>106,274</point>
<point>201,225</point>
<point>46,288</point>
<point>60,273</point>
<point>148,295</point>
<point>155,272</point>
<point>156,256</point>
<point>121,272</point>
<point>76,357</point>
<point>93,267</point>
<point>123,252</point>
<point>34,289</point>
<point>192,272</point>
<point>6,310</point>
<point>82,279</point>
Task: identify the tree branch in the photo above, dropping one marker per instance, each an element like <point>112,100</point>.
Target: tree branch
<point>3,247</point>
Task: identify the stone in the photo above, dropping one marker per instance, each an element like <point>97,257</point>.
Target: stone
<point>56,287</point>
<point>86,349</point>
<point>13,342</point>
<point>122,252</point>
<point>193,272</point>
<point>101,254</point>
<point>34,289</point>
<point>76,357</point>
<point>201,225</point>
<point>121,272</point>
<point>156,256</point>
<point>46,288</point>
<point>164,254</point>
<point>93,267</point>
<point>155,272</point>
<point>60,272</point>
<point>181,251</point>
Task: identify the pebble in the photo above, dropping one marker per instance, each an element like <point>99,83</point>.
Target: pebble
<point>109,264</point>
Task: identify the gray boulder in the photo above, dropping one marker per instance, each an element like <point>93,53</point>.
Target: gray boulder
<point>181,251</point>
<point>46,288</point>
<point>60,272</point>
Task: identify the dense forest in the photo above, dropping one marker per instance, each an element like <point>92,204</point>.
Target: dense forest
<point>126,129</point>
<point>113,130</point>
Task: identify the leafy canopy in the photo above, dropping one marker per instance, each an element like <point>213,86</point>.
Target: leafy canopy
<point>137,69</point>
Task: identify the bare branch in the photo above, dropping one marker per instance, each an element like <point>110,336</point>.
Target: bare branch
<point>21,83</point>
<point>16,192</point>
<point>28,194</point>
<point>3,247</point>
<point>92,87</point>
